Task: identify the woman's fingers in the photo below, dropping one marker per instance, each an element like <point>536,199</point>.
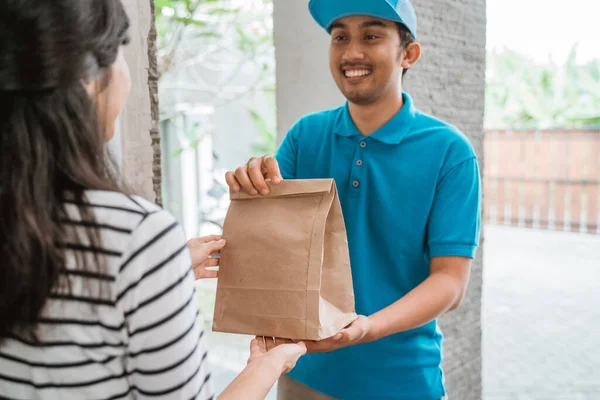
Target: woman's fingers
<point>215,246</point>
<point>211,262</point>
<point>203,273</point>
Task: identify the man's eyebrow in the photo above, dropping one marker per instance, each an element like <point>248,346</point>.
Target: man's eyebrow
<point>374,22</point>
<point>366,24</point>
<point>337,25</point>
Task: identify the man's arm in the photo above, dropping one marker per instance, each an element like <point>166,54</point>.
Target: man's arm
<point>441,292</point>
<point>453,234</point>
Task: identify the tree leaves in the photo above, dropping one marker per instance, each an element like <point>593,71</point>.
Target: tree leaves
<point>523,94</point>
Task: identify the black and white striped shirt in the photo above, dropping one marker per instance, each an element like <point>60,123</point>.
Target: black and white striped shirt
<point>131,331</point>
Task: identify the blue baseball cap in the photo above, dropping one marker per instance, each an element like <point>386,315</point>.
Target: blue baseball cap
<point>326,12</point>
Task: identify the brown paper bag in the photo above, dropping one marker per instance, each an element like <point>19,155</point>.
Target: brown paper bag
<point>285,271</point>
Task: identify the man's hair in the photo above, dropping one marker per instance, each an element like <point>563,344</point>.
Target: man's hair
<point>406,38</point>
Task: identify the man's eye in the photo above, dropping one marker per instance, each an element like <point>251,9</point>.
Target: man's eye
<point>370,37</point>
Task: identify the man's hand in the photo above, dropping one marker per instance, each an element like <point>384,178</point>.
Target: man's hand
<point>203,251</point>
<point>355,333</point>
<point>253,175</point>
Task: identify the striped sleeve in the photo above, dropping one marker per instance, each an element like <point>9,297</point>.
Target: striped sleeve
<point>166,355</point>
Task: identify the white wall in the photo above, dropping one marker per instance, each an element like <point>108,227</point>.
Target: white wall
<point>304,83</point>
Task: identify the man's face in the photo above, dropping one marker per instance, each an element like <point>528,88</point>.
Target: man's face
<point>365,58</point>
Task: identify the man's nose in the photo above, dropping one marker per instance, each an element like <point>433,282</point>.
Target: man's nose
<point>354,52</point>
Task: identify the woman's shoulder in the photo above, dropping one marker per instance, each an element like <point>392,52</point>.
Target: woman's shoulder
<point>118,200</point>
<point>117,212</point>
<point>130,226</point>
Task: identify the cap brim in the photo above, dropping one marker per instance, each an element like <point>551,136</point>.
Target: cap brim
<point>326,12</point>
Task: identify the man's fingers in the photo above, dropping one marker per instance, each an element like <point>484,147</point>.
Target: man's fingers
<point>272,342</point>
<point>313,347</point>
<point>349,334</point>
<point>319,344</point>
<point>255,173</point>
<point>232,182</point>
<point>241,174</point>
<point>271,169</point>
<point>269,343</point>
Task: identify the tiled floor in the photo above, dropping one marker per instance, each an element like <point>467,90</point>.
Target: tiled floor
<point>541,318</point>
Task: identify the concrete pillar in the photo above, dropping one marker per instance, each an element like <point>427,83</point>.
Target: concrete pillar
<point>448,82</point>
<point>304,83</point>
<point>138,124</point>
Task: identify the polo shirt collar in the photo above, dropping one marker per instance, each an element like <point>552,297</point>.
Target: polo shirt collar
<point>392,132</point>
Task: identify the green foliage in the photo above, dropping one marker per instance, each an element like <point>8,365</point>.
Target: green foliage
<point>237,38</point>
<point>522,94</point>
<point>190,138</point>
<point>210,19</point>
<point>266,142</point>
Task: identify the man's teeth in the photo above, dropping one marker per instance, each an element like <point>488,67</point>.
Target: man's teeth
<point>356,73</point>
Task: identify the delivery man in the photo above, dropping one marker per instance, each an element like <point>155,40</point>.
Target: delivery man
<point>409,186</point>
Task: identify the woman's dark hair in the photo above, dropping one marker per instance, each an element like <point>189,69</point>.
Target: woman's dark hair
<point>52,144</point>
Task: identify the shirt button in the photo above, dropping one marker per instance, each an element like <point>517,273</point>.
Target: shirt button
<point>363,144</point>
<point>356,184</point>
<point>359,162</point>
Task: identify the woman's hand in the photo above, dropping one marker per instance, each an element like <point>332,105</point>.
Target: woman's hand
<point>263,369</point>
<point>203,251</point>
<point>282,356</point>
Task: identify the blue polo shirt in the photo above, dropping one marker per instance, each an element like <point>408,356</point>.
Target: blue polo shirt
<point>409,191</point>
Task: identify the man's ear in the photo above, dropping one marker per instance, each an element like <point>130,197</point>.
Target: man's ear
<point>412,53</point>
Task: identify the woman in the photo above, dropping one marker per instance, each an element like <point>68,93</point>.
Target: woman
<point>97,295</point>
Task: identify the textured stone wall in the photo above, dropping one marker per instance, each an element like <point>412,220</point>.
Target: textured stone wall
<point>140,140</point>
<point>154,110</point>
<point>448,82</point>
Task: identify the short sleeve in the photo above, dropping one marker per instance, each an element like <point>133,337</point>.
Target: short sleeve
<point>454,222</point>
<point>287,154</point>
